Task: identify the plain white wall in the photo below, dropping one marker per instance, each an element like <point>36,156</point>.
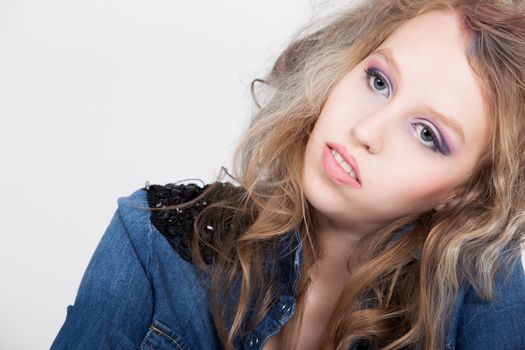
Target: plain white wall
<point>97,97</point>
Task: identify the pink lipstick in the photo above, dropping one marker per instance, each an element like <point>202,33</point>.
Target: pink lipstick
<point>333,163</point>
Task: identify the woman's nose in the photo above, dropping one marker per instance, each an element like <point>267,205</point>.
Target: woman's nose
<point>369,132</point>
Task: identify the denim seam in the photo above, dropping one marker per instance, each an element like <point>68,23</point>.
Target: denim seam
<point>150,249</point>
<point>132,243</point>
<point>146,339</point>
<point>146,264</point>
<point>178,341</point>
<point>173,340</point>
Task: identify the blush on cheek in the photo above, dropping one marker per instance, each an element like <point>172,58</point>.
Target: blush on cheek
<point>425,192</point>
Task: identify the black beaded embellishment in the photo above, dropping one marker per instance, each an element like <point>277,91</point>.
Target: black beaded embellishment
<point>176,225</point>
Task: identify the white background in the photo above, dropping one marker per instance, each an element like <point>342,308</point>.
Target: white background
<point>97,97</point>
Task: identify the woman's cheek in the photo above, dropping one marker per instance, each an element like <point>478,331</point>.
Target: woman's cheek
<point>424,191</point>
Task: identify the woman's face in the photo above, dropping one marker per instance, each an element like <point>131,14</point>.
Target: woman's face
<point>385,114</point>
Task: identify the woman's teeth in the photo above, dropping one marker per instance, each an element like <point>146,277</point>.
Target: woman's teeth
<point>343,163</point>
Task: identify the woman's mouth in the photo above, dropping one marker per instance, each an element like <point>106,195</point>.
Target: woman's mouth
<point>343,163</point>
<point>340,166</point>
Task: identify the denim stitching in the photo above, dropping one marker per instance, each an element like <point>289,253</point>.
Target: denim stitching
<point>177,341</point>
<point>150,248</point>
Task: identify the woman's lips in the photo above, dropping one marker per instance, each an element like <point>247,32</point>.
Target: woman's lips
<point>334,169</point>
<point>347,157</point>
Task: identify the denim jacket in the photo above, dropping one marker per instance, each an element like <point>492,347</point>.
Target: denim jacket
<point>138,292</point>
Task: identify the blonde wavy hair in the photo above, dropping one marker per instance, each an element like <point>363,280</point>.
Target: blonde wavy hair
<point>413,281</point>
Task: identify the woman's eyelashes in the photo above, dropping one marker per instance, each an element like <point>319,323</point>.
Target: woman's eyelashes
<point>378,81</point>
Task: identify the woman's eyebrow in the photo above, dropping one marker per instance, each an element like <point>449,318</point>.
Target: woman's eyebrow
<point>450,122</point>
<point>387,54</point>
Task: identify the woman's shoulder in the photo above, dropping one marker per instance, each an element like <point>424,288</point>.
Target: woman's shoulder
<point>176,225</point>
<point>508,289</point>
<point>498,323</point>
<point>149,207</point>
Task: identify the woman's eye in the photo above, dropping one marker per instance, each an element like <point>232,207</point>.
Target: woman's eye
<point>429,137</point>
<point>378,81</point>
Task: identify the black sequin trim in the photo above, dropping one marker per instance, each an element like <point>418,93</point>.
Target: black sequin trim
<point>176,225</point>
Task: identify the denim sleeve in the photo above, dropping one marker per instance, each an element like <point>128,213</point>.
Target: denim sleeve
<point>499,324</point>
<point>503,329</point>
<point>114,304</point>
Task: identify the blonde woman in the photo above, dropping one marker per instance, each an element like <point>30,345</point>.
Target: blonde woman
<point>379,202</point>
